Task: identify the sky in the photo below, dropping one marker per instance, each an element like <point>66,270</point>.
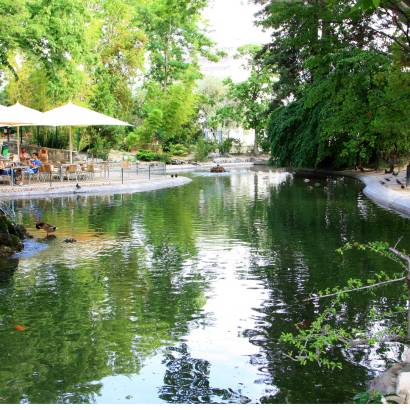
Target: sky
<point>230,25</point>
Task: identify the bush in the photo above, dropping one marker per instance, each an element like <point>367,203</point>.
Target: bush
<point>226,145</point>
<point>148,155</point>
<point>132,140</point>
<point>203,149</point>
<point>164,158</point>
<point>179,150</point>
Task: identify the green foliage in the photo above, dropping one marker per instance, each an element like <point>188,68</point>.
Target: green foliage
<point>251,98</point>
<point>175,39</point>
<point>226,145</point>
<point>203,149</point>
<point>94,52</point>
<point>317,342</point>
<point>179,150</point>
<point>148,155</point>
<point>166,113</point>
<point>337,102</point>
<point>372,397</point>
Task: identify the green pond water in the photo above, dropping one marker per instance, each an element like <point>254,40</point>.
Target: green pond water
<point>180,295</point>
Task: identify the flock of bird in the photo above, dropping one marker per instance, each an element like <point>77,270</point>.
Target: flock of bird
<point>402,185</point>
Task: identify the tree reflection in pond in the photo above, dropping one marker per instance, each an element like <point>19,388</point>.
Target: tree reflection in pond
<point>222,264</point>
<point>186,380</point>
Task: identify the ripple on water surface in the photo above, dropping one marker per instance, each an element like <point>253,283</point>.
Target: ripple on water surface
<point>181,295</point>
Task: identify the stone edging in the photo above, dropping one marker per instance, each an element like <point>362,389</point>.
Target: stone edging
<point>388,198</point>
<point>99,189</point>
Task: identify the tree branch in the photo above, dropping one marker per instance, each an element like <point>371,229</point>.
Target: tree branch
<point>356,289</point>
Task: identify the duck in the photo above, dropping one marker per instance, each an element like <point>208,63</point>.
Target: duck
<point>46,227</point>
<point>304,324</point>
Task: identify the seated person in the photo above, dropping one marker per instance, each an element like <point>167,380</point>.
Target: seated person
<point>35,164</point>
<point>24,156</point>
<point>5,151</point>
<point>4,170</point>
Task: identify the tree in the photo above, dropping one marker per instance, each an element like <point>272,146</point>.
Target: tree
<point>166,112</point>
<point>252,97</point>
<point>335,103</point>
<point>175,39</point>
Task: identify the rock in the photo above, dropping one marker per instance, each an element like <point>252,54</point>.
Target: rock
<point>70,240</point>
<point>11,236</point>
<point>387,382</point>
<point>218,169</point>
<point>403,384</point>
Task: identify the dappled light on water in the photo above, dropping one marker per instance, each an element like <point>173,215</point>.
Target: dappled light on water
<point>181,295</point>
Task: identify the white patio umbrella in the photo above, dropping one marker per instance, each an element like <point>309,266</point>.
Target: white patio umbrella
<point>73,115</point>
<point>24,116</point>
<point>15,117</point>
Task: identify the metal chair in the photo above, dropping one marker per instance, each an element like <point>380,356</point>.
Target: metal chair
<point>70,171</point>
<point>90,171</point>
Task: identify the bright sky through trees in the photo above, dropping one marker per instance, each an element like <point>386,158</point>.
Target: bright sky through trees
<point>231,25</point>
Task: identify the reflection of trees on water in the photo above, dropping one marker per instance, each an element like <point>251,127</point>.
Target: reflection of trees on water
<point>8,267</point>
<point>105,315</point>
<point>186,380</point>
<point>112,311</point>
<point>295,255</point>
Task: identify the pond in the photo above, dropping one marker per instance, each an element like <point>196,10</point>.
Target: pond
<point>181,295</point>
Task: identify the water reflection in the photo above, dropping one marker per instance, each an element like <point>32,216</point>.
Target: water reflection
<point>181,295</point>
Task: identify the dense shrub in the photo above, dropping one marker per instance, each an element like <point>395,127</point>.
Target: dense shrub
<point>203,149</point>
<point>179,150</point>
<point>148,155</point>
<point>226,145</point>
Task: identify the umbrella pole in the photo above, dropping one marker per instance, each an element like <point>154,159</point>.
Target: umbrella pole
<point>18,143</point>
<point>71,146</point>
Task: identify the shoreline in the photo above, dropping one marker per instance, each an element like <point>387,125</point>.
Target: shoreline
<point>387,194</point>
<point>398,201</point>
<point>106,188</point>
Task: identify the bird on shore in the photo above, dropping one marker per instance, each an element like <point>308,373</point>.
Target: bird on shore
<point>399,182</point>
<point>387,179</point>
<point>46,227</point>
<point>78,186</point>
<point>382,182</point>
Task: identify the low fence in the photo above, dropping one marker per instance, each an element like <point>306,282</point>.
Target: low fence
<point>54,154</point>
<point>103,170</point>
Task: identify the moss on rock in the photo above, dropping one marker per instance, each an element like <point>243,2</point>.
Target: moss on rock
<point>11,236</point>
